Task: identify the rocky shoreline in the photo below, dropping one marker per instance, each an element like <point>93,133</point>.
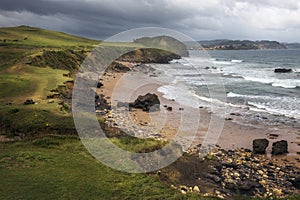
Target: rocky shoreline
<point>229,173</point>
<point>223,173</point>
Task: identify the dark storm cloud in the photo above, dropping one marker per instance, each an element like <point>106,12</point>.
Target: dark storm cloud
<point>242,19</point>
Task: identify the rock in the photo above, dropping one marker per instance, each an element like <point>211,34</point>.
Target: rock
<point>215,178</point>
<point>196,188</point>
<point>282,70</point>
<point>235,114</point>
<point>28,102</point>
<point>148,102</point>
<point>169,108</point>
<point>296,182</point>
<point>247,186</point>
<point>228,118</point>
<point>101,103</point>
<point>277,192</point>
<point>280,147</point>
<point>260,145</point>
<point>273,136</point>
<point>99,84</point>
<point>118,67</point>
<point>184,189</point>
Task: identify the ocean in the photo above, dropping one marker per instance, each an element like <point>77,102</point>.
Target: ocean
<point>243,81</point>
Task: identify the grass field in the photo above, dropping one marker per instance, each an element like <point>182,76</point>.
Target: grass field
<point>25,35</point>
<point>59,167</point>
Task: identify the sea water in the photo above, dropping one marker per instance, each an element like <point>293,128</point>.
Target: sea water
<point>243,81</point>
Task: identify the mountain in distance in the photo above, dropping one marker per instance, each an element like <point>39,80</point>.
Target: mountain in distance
<point>292,45</point>
<point>224,44</point>
<point>164,42</point>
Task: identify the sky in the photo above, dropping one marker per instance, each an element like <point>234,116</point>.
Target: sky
<point>200,19</point>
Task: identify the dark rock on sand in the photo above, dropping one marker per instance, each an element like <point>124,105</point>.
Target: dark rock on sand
<point>280,147</point>
<point>260,145</point>
<point>99,85</point>
<point>282,70</point>
<point>101,103</point>
<point>28,102</point>
<point>169,108</point>
<point>118,67</point>
<point>148,102</point>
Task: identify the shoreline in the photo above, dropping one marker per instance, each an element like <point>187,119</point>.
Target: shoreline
<point>118,86</point>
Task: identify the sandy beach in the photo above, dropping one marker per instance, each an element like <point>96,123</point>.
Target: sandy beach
<point>187,125</point>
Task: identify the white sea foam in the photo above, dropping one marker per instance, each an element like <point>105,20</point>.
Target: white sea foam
<point>297,70</point>
<point>236,61</point>
<point>222,63</point>
<point>284,85</point>
<point>287,83</point>
<point>232,94</point>
<point>263,107</point>
<point>260,80</point>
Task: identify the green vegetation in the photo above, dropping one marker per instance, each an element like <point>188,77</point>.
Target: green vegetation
<point>59,167</point>
<point>29,36</point>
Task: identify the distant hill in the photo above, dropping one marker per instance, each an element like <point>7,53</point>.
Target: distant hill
<point>292,45</point>
<point>241,44</point>
<point>165,42</point>
<point>26,35</point>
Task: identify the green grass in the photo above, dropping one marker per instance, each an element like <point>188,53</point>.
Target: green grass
<point>20,82</point>
<point>138,145</point>
<point>31,120</point>
<point>59,167</point>
<point>24,35</point>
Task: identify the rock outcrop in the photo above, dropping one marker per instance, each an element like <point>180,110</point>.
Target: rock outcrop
<point>28,102</point>
<point>282,70</point>
<point>260,145</point>
<point>148,102</point>
<point>280,147</point>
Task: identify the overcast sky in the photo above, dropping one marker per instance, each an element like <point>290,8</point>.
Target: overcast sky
<point>199,19</point>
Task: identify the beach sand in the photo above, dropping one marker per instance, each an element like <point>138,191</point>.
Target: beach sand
<point>188,126</point>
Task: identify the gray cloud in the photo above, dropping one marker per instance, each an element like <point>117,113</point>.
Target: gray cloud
<point>233,19</point>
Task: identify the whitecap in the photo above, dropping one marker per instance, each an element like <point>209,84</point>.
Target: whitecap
<point>236,61</point>
<point>257,79</point>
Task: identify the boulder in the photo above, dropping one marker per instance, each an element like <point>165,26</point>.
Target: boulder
<point>99,84</point>
<point>169,108</point>
<point>118,67</point>
<point>296,182</point>
<point>280,147</point>
<point>260,145</point>
<point>28,102</point>
<point>101,103</point>
<point>148,102</point>
<point>282,70</point>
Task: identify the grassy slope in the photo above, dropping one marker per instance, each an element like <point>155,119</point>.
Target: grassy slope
<point>24,35</point>
<point>61,168</point>
<point>54,167</point>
